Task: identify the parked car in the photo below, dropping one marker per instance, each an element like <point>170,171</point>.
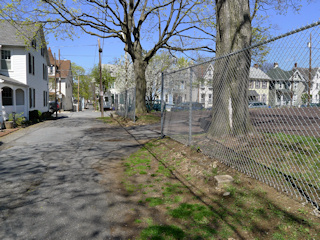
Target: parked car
<point>311,105</point>
<point>53,106</point>
<point>154,105</point>
<point>186,106</point>
<point>257,105</point>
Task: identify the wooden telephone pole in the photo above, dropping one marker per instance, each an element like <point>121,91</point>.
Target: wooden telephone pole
<point>78,92</point>
<point>100,72</point>
<point>55,84</point>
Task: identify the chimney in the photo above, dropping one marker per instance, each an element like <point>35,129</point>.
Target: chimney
<point>295,65</point>
<point>275,65</point>
<point>256,65</point>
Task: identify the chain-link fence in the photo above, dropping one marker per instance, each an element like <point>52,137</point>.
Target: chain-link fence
<point>125,104</point>
<point>256,110</point>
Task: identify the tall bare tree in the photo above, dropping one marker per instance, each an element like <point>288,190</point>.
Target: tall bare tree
<point>231,74</point>
<point>169,25</point>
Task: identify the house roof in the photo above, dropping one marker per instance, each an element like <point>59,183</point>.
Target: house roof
<point>12,81</point>
<point>64,66</point>
<point>14,34</point>
<point>201,70</point>
<point>305,72</point>
<point>51,58</point>
<point>279,74</point>
<point>253,93</point>
<point>256,73</point>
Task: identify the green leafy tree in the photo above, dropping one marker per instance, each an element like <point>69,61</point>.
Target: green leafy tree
<point>106,77</point>
<point>80,77</point>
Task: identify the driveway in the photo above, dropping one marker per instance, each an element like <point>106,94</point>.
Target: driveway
<point>58,179</point>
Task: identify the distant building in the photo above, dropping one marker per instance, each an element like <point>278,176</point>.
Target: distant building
<point>60,84</point>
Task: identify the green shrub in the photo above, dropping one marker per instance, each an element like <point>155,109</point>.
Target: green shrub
<point>19,118</point>
<point>35,116</point>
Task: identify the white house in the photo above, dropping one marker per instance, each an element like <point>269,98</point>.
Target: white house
<point>61,88</point>
<point>23,70</point>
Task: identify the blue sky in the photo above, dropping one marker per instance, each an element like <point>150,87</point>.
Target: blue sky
<point>83,50</point>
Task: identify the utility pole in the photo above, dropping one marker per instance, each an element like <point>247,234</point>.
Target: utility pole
<point>55,84</point>
<point>100,71</point>
<point>78,91</point>
<point>310,61</point>
<point>60,95</point>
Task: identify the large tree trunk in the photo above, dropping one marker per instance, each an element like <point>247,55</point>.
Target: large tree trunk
<point>231,74</point>
<point>140,67</point>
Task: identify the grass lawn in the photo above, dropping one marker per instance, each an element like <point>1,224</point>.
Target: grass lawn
<point>176,184</point>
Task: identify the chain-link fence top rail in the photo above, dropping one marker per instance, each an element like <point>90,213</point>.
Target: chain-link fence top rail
<point>125,106</point>
<point>260,117</point>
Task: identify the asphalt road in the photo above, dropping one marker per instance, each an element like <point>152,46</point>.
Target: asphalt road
<point>55,179</point>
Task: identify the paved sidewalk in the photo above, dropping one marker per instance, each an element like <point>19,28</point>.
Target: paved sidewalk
<point>5,132</point>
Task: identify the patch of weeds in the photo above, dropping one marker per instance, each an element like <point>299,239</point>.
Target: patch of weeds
<point>188,177</point>
<point>162,232</point>
<point>148,221</point>
<point>164,171</point>
<point>237,180</point>
<point>196,212</point>
<point>232,190</point>
<point>278,236</point>
<point>303,211</point>
<point>225,233</point>
<point>154,201</point>
<point>172,188</point>
<point>108,120</point>
<point>177,199</point>
<point>260,211</point>
<point>138,221</point>
<point>130,188</point>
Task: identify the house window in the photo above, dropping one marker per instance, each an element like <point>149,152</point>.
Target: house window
<point>34,43</point>
<point>42,51</point>
<point>7,96</point>
<point>167,98</point>
<point>251,84</point>
<point>203,97</point>
<point>5,59</point>
<point>182,85</point>
<point>295,98</point>
<point>31,63</point>
<point>45,98</point>
<point>264,84</point>
<point>264,98</point>
<point>30,98</point>
<point>34,98</point>
<point>51,69</point>
<point>257,84</point>
<point>280,86</point>
<point>45,71</point>
<point>295,86</point>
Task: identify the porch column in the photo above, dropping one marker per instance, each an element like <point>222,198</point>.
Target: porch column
<point>1,115</point>
<point>14,100</point>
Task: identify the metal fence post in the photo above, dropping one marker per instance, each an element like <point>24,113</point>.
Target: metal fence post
<point>134,104</point>
<point>126,105</point>
<point>162,105</point>
<point>190,108</point>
